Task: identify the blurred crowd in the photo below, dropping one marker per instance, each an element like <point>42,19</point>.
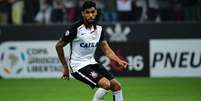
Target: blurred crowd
<point>67,11</point>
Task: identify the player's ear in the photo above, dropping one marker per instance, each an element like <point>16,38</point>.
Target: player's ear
<point>96,12</point>
<point>82,12</point>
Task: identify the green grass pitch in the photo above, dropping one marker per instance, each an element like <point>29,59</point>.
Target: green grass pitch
<point>135,89</point>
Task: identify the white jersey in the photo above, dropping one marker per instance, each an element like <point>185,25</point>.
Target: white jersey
<point>83,43</point>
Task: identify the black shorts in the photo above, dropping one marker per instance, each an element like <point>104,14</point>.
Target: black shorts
<point>91,74</point>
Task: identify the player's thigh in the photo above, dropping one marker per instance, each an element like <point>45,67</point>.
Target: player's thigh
<point>101,70</point>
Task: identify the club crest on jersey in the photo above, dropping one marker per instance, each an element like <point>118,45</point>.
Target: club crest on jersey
<point>94,74</point>
<point>67,33</point>
<point>88,45</point>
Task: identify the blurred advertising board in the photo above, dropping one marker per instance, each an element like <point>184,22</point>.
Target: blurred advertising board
<point>25,59</point>
<point>38,59</point>
<point>136,53</point>
<point>175,57</point>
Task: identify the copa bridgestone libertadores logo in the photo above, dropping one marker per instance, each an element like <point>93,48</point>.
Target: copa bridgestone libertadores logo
<point>12,61</point>
<point>27,59</point>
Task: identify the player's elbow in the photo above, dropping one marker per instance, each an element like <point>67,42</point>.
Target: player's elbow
<point>108,53</point>
<point>58,46</point>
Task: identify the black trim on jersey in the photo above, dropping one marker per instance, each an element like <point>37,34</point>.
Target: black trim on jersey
<point>102,37</point>
<point>71,32</point>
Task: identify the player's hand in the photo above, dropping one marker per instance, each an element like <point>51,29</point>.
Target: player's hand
<point>123,64</point>
<point>65,73</point>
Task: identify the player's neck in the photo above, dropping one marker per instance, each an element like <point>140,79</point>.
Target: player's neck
<point>89,25</point>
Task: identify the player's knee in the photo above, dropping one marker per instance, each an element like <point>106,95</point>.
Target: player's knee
<point>104,83</point>
<point>115,85</point>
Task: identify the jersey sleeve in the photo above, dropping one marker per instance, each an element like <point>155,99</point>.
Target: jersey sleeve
<point>69,35</point>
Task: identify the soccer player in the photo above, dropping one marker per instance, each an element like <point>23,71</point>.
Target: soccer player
<point>84,36</point>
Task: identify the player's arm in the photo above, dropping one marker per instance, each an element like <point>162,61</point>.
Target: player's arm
<point>64,40</point>
<point>110,53</point>
<point>60,52</point>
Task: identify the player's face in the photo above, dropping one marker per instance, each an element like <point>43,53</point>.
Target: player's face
<point>90,15</point>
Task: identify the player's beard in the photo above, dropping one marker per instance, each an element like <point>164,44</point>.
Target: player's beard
<point>90,22</point>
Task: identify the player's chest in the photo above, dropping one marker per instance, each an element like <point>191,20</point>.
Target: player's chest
<point>88,35</point>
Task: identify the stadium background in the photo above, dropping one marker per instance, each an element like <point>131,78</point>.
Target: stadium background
<point>160,39</point>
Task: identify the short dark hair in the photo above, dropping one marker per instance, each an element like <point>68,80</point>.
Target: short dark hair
<point>88,4</point>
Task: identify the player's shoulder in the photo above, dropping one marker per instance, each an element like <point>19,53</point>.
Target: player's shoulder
<point>98,26</point>
<point>76,24</point>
